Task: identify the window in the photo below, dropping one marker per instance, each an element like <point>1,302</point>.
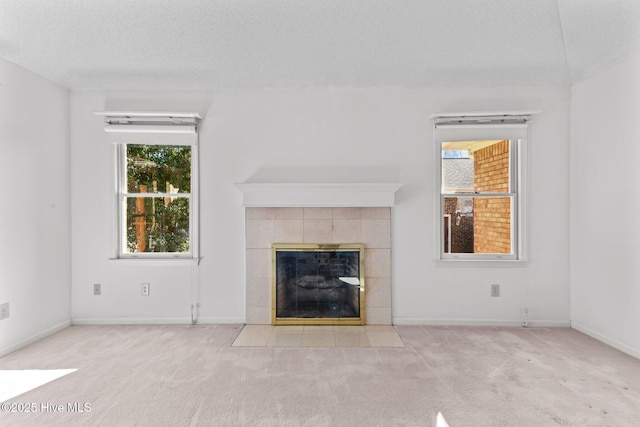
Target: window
<point>156,185</point>
<point>480,176</point>
<point>156,198</point>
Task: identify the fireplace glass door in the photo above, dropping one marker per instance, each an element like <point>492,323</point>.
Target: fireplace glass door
<point>318,284</point>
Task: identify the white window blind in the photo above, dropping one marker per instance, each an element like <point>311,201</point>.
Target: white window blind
<point>151,128</point>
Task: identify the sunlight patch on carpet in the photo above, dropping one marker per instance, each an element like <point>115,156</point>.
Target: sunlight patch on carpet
<point>15,382</point>
<point>440,421</point>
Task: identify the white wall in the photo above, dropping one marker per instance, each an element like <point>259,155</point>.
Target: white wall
<point>35,252</point>
<point>323,135</point>
<point>605,148</point>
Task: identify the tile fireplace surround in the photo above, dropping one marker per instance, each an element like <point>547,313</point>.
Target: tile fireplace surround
<point>370,226</point>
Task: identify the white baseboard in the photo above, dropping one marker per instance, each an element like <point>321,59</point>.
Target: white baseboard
<point>613,343</point>
<point>37,337</point>
<point>221,321</point>
<point>419,321</point>
<point>154,321</point>
<point>549,324</point>
<point>129,321</point>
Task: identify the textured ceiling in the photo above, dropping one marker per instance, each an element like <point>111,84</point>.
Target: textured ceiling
<point>210,44</point>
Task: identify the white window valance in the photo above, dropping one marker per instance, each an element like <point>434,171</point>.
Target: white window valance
<point>458,127</point>
<point>157,128</point>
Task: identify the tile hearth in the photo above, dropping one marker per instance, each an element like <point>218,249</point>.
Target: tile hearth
<point>318,336</point>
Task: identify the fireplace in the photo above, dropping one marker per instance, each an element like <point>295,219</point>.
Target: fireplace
<point>304,213</point>
<point>269,221</point>
<point>318,284</point>
<point>370,226</point>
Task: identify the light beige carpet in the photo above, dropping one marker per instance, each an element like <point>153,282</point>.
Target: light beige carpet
<point>192,376</point>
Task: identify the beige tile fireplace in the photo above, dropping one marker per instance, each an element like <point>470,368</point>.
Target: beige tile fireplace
<point>318,213</point>
<point>370,226</point>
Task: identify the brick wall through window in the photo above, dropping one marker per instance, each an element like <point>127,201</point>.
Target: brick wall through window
<point>492,216</point>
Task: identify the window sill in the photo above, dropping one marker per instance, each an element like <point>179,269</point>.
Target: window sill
<point>153,262</point>
<point>481,263</point>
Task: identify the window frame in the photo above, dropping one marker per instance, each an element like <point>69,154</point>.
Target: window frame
<point>123,194</point>
<point>465,128</point>
<point>143,128</point>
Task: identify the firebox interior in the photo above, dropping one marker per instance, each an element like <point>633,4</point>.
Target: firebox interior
<point>318,284</point>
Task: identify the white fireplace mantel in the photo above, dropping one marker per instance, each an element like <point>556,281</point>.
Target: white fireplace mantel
<point>318,195</point>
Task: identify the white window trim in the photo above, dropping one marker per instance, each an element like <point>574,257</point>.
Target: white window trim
<point>479,128</point>
<point>160,129</point>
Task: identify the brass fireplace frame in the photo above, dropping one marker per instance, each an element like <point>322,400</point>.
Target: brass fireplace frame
<point>306,247</point>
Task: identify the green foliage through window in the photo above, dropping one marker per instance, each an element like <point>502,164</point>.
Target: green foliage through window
<point>154,167</point>
<point>158,223</point>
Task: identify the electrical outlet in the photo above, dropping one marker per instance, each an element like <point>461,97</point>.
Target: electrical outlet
<point>4,310</point>
<point>495,290</point>
<point>97,289</point>
<point>146,288</point>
